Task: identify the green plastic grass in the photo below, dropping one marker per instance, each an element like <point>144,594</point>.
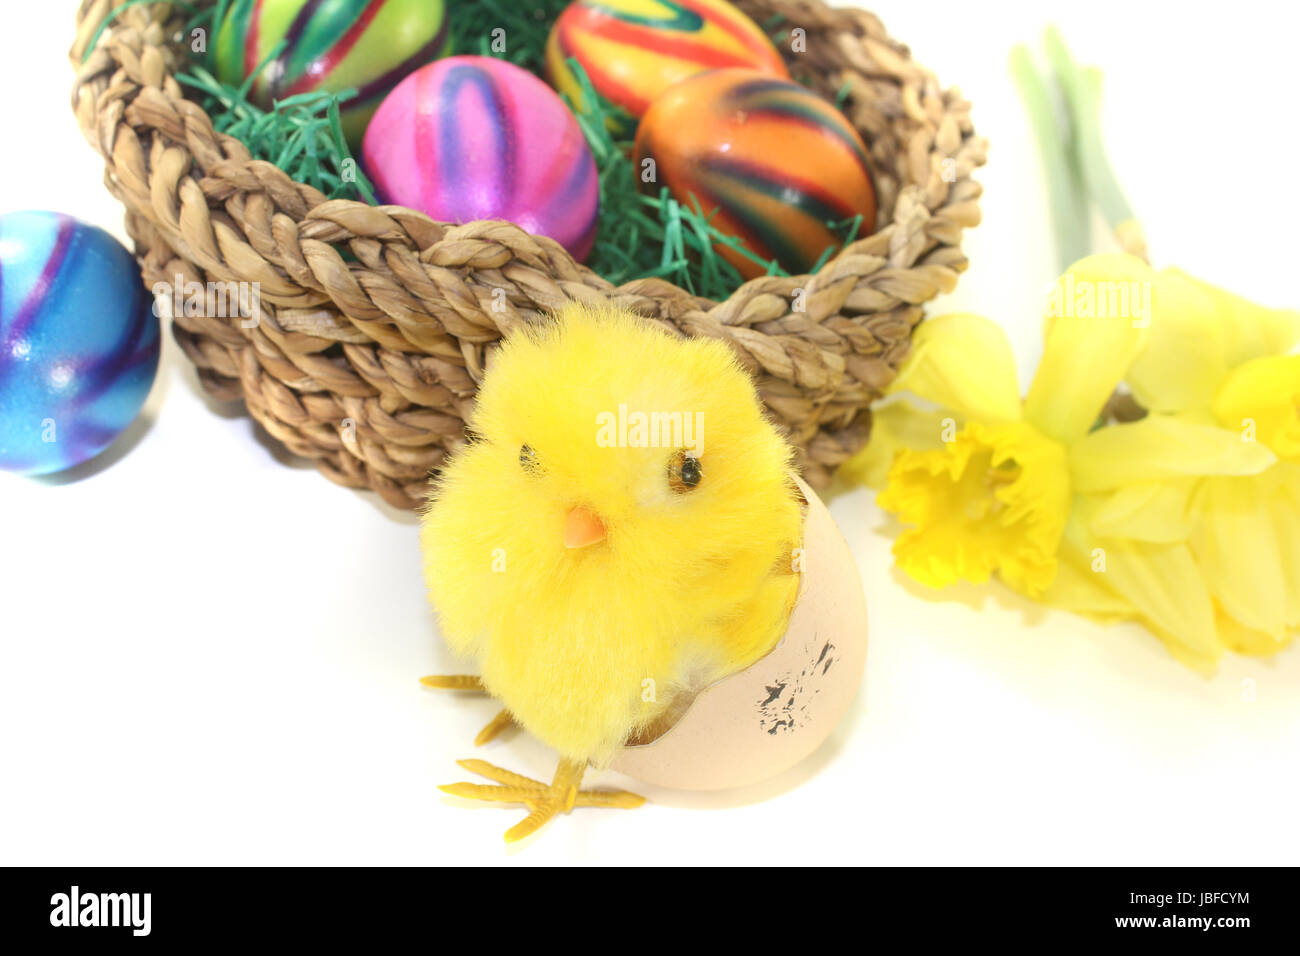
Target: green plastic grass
<point>479,27</point>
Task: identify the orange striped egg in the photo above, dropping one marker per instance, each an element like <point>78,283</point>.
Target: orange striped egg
<point>774,162</point>
<point>634,50</point>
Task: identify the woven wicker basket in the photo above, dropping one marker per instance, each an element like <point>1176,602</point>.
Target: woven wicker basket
<point>368,364</point>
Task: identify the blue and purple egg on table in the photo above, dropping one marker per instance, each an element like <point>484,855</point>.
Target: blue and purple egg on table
<point>470,138</point>
<point>79,341</point>
<point>329,45</point>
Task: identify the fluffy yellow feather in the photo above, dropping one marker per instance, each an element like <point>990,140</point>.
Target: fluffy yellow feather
<point>603,567</point>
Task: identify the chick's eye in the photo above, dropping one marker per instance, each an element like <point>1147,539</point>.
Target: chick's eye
<point>684,472</point>
<point>528,458</point>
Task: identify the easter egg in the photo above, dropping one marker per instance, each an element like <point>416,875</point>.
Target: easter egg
<point>78,341</point>
<point>775,163</point>
<point>634,50</point>
<point>329,45</point>
<point>472,137</point>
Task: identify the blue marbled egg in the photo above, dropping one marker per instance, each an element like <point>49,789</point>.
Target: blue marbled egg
<point>79,341</point>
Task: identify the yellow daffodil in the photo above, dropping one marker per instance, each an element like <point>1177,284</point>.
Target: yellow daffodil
<point>1172,520</point>
<point>1186,519</point>
<point>989,490</point>
<point>1222,445</point>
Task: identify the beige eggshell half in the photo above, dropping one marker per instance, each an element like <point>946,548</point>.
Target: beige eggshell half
<point>758,723</point>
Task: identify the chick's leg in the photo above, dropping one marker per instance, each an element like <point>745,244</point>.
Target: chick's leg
<point>546,802</point>
<point>559,798</point>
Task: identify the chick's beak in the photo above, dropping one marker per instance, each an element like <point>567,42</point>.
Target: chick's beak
<point>582,527</point>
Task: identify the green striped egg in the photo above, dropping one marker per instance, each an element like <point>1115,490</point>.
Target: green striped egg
<point>330,45</point>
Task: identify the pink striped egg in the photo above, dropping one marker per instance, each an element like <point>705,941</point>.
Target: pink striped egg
<point>471,137</point>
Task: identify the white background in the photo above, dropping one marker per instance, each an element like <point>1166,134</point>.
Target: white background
<point>211,658</point>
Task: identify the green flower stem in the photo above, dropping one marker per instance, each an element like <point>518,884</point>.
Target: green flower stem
<point>1067,194</point>
<point>1082,91</point>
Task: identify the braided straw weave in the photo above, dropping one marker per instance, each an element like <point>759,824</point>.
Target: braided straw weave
<point>368,364</point>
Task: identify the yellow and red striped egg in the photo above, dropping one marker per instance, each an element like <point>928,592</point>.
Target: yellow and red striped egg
<point>634,50</point>
<point>775,164</point>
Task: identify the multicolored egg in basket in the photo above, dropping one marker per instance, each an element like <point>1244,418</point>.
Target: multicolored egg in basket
<point>778,165</point>
<point>634,50</point>
<point>470,138</point>
<point>329,45</point>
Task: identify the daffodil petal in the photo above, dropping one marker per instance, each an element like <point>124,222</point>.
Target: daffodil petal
<point>1155,511</point>
<point>1236,637</point>
<point>1237,548</point>
<point>896,425</point>
<point>1159,447</point>
<point>1184,359</point>
<point>1158,585</point>
<point>965,363</point>
<point>1285,518</point>
<point>1262,397</point>
<point>1288,476</point>
<point>1097,322</point>
<point>1080,592</point>
<point>1079,586</point>
<point>1250,330</point>
<point>1165,584</point>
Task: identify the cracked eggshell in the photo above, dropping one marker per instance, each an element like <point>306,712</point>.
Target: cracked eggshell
<point>756,724</point>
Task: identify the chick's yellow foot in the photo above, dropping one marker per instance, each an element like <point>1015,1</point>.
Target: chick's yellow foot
<point>468,682</point>
<point>494,727</point>
<point>545,801</point>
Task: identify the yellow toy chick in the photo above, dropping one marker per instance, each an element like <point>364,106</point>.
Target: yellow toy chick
<point>616,536</point>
